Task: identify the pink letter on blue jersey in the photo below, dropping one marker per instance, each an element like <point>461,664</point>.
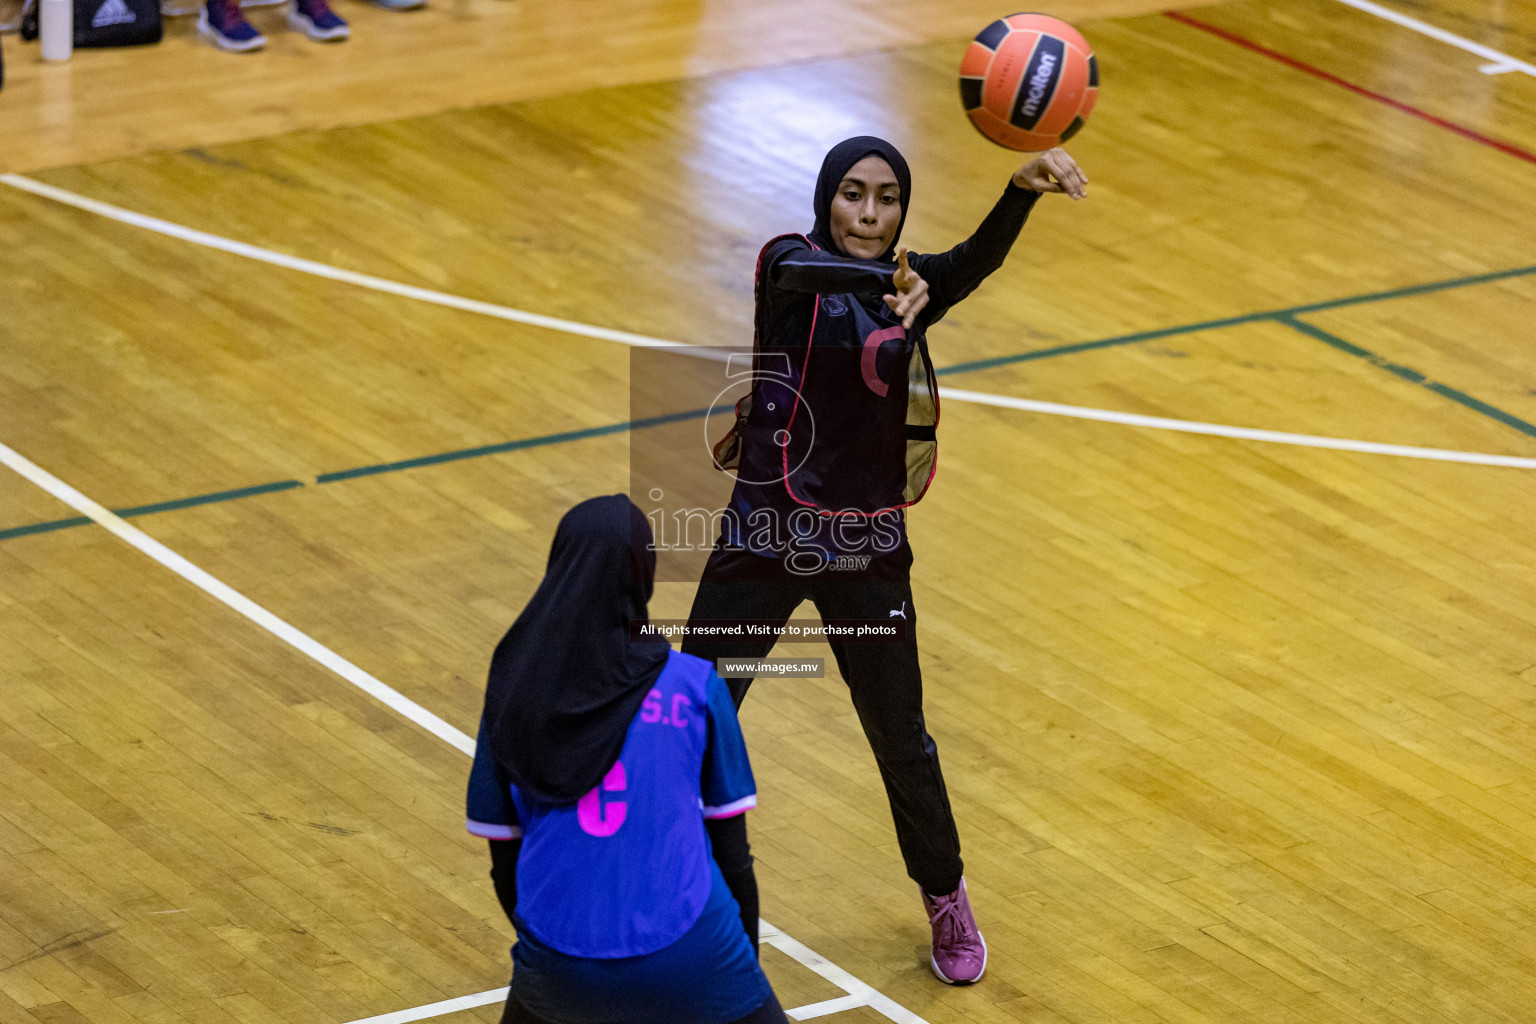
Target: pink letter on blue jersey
<point>599,819</point>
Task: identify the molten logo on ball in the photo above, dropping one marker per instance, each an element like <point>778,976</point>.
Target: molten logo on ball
<point>1029,81</point>
<point>1041,77</point>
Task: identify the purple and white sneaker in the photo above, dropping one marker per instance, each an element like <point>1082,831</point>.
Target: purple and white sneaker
<point>222,23</point>
<point>959,952</point>
<point>316,19</point>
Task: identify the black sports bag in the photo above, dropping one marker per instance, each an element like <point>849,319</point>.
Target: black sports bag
<point>106,22</point>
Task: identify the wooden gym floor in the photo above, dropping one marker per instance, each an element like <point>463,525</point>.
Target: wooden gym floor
<point>1237,730</point>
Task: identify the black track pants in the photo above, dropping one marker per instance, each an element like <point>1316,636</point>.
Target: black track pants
<point>883,680</point>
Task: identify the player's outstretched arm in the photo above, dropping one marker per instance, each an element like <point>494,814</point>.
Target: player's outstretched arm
<point>794,266</point>
<point>1053,171</point>
<point>955,274</point>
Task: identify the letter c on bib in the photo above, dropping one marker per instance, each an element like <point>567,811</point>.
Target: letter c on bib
<point>871,350</point>
<point>597,818</point>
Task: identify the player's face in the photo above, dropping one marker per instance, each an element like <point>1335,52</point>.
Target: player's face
<point>867,209</point>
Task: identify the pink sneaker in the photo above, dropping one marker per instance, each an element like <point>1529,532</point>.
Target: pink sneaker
<point>959,951</point>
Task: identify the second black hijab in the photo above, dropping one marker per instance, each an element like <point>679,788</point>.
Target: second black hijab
<point>566,680</point>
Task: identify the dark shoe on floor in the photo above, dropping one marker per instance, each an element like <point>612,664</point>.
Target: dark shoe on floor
<point>316,19</point>
<point>225,26</point>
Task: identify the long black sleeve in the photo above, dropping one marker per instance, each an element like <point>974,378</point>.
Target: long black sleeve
<point>728,842</point>
<point>953,275</point>
<point>504,872</point>
<point>794,267</point>
<point>797,268</point>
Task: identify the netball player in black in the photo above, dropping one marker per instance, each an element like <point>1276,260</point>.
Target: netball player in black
<point>836,438</point>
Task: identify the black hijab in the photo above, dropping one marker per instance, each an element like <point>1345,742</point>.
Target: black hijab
<point>566,680</point>
<point>840,159</point>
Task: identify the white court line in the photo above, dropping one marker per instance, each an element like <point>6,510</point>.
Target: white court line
<point>1500,63</point>
<point>626,338</point>
<point>399,702</point>
<point>447,1006</point>
<point>836,975</point>
<point>826,1007</point>
<point>279,259</point>
<point>236,600</point>
<point>1131,419</point>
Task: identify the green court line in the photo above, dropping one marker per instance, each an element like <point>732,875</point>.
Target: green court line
<point>57,524</point>
<point>383,467</point>
<point>1088,346</point>
<point>159,506</point>
<point>1247,318</point>
<point>1411,375</point>
<point>1408,292</point>
<point>509,446</point>
<point>1285,316</point>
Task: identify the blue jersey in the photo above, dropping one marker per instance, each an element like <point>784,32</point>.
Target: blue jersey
<point>625,870</point>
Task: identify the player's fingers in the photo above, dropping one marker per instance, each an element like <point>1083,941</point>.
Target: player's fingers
<point>919,303</point>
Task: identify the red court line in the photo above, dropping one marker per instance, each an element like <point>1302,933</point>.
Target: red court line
<point>1462,130</point>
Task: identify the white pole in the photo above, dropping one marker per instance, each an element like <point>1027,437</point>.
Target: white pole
<point>56,28</point>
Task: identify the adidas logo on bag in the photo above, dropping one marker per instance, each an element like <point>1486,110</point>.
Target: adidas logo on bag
<point>113,12</point>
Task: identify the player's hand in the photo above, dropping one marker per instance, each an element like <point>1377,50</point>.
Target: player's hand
<point>911,291</point>
<point>1053,171</point>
